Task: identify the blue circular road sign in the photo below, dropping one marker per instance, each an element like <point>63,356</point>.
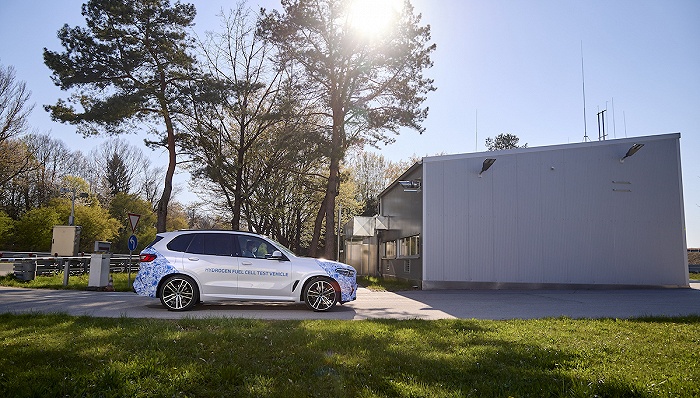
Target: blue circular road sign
<point>133,242</point>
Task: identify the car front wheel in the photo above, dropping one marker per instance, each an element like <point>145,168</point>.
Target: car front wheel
<point>179,293</point>
<point>320,295</point>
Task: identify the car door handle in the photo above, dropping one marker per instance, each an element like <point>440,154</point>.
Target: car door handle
<point>193,258</point>
<point>246,263</point>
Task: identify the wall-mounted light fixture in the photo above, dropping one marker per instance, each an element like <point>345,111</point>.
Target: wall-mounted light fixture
<point>631,151</point>
<point>488,162</point>
<point>410,185</point>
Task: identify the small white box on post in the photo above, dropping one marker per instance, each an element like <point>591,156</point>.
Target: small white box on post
<point>99,266</point>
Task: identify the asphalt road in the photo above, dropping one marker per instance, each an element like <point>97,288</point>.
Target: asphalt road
<point>436,304</point>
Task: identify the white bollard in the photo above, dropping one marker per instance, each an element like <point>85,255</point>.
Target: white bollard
<point>99,270</point>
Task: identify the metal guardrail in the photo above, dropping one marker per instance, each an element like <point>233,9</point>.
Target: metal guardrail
<point>28,267</point>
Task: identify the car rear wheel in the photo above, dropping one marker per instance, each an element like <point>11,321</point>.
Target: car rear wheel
<point>179,293</point>
<point>320,295</point>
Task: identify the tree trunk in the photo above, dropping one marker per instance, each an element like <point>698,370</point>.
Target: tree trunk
<point>297,231</point>
<point>162,210</point>
<point>318,224</point>
<point>333,187</point>
<point>238,190</point>
<point>331,193</point>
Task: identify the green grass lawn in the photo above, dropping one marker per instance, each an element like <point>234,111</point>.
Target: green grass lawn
<point>75,282</point>
<point>60,355</point>
<point>381,284</point>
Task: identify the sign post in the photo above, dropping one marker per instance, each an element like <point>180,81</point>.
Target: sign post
<point>133,242</point>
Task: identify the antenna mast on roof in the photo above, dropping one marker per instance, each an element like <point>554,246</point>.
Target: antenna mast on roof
<point>601,119</point>
<point>583,85</point>
<point>476,131</point>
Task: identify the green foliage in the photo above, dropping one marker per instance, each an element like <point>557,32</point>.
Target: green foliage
<point>34,230</point>
<point>96,224</point>
<point>120,206</point>
<point>379,284</point>
<point>80,185</point>
<point>120,62</point>
<point>503,141</point>
<point>83,356</point>
<point>6,225</point>
<point>369,87</point>
<point>117,175</point>
<point>132,63</point>
<point>177,217</point>
<point>372,84</point>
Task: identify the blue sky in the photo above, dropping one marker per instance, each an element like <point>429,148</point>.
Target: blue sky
<point>513,65</point>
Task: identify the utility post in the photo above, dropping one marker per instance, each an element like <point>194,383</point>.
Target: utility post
<point>71,218</point>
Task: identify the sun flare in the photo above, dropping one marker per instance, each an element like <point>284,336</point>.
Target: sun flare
<point>373,17</point>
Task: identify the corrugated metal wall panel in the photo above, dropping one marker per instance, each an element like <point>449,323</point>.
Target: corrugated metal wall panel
<point>433,216</point>
<point>528,195</point>
<point>481,204</point>
<point>566,214</point>
<point>585,190</point>
<point>648,215</point>
<point>505,212</point>
<point>454,195</point>
<point>553,212</point>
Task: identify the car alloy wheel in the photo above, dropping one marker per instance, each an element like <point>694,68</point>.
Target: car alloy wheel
<point>179,293</point>
<point>320,295</point>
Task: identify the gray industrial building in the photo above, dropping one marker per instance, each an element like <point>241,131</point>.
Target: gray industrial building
<point>593,214</point>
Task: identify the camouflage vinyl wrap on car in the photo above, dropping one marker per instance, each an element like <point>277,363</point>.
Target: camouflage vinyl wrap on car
<point>346,277</point>
<point>150,273</point>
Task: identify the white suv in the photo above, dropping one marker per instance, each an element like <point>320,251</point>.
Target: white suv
<point>183,268</point>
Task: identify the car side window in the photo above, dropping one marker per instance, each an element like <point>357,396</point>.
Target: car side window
<point>253,247</point>
<point>180,243</point>
<point>218,244</point>
<point>212,244</point>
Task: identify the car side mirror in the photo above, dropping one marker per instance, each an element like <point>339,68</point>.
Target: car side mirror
<point>276,255</point>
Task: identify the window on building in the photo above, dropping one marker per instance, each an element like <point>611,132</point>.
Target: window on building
<point>390,249</point>
<point>409,246</point>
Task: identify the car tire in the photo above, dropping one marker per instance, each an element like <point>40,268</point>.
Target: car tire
<point>179,293</point>
<point>320,294</point>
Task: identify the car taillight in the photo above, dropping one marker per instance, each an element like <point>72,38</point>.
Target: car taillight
<point>146,258</point>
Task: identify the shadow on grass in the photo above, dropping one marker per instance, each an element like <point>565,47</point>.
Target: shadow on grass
<point>55,355</point>
<point>458,358</point>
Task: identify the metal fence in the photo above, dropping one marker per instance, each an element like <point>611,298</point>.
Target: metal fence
<point>28,265</point>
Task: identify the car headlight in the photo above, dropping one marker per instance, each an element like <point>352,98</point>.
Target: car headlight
<point>345,271</point>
